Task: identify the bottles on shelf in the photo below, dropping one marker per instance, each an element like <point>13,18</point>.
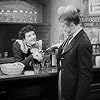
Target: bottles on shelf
<point>96,55</point>
<point>4,54</point>
<point>96,48</point>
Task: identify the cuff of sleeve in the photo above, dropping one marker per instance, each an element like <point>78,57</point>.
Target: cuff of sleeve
<point>27,60</point>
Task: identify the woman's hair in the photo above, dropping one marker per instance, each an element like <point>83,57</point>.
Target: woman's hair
<point>70,14</point>
<point>24,30</point>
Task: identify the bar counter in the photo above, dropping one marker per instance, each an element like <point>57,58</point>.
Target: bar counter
<point>50,72</point>
<point>42,86</point>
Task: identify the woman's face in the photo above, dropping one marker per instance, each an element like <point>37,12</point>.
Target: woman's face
<point>30,37</point>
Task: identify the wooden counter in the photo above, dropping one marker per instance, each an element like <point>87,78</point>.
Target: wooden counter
<point>43,86</point>
<point>29,87</point>
<point>23,76</point>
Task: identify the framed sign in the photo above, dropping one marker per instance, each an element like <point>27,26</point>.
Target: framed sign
<point>93,34</point>
<point>94,7</point>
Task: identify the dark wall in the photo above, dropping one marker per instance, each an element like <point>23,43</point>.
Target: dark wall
<point>9,32</point>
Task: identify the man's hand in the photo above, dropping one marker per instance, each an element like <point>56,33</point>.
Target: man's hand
<point>55,46</point>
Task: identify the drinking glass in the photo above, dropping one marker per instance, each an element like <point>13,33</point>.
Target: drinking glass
<point>5,54</point>
<point>36,68</point>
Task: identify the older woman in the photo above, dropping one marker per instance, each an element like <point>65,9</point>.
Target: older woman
<point>26,49</point>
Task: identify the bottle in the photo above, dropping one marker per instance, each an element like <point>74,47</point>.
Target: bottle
<point>53,59</point>
<point>5,54</point>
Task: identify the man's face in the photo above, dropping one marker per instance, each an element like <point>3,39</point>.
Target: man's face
<point>67,28</point>
<point>30,37</point>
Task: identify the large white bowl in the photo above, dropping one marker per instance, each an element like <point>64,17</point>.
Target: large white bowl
<point>12,68</point>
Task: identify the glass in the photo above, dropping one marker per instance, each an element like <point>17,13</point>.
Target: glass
<point>5,54</point>
<point>36,68</point>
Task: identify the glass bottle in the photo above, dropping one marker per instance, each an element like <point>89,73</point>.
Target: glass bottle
<point>53,59</point>
<point>5,54</point>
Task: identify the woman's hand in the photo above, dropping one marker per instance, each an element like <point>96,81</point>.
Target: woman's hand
<point>38,56</point>
<point>33,50</point>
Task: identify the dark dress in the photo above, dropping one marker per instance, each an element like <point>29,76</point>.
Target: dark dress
<point>25,58</point>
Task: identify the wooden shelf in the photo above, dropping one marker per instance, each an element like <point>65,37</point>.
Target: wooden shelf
<point>36,24</point>
<point>96,44</point>
<point>96,54</point>
<point>96,69</point>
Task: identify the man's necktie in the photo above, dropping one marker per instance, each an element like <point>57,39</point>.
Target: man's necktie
<point>65,44</point>
<point>67,41</point>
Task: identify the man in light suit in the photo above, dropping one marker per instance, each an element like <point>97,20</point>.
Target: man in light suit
<point>74,57</point>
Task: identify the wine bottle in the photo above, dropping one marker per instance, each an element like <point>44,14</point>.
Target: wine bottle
<point>53,59</point>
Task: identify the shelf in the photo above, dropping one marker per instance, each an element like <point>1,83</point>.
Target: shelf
<point>96,54</point>
<point>95,69</point>
<point>37,24</point>
<point>96,44</point>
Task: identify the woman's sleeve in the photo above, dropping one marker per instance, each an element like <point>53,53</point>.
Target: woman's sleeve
<point>17,52</point>
<point>27,60</point>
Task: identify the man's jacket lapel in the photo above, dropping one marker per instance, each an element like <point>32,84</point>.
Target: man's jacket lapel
<point>68,47</point>
<point>72,43</point>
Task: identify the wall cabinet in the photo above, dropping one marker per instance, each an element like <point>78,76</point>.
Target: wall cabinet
<point>95,86</point>
<point>96,55</point>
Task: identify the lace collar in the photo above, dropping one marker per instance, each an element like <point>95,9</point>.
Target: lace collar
<point>25,47</point>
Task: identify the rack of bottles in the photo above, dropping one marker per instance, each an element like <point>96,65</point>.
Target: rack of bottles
<point>96,55</point>
<point>96,49</point>
<point>18,16</point>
